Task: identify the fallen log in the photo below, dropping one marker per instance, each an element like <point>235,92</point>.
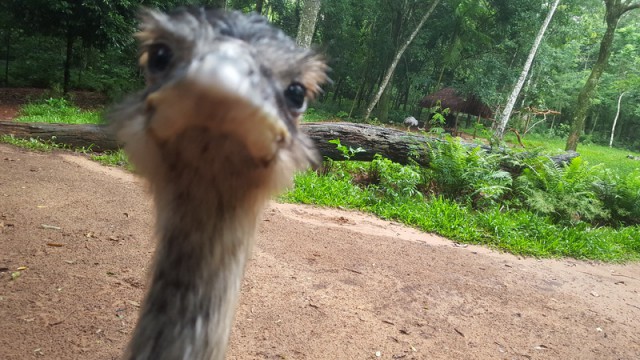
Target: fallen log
<point>88,136</point>
<point>396,145</point>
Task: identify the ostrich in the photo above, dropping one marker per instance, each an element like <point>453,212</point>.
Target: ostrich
<point>215,134</point>
<point>410,121</point>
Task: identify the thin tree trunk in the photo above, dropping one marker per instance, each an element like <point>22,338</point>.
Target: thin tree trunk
<point>596,115</point>
<point>615,120</point>
<point>308,19</point>
<point>615,10</point>
<point>220,4</point>
<point>396,60</point>
<point>337,89</point>
<point>356,100</point>
<point>6,59</point>
<point>67,64</point>
<point>259,5</point>
<point>506,113</point>
<point>385,103</point>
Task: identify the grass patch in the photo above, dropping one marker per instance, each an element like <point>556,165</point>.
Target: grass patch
<point>108,158</point>
<point>58,111</point>
<point>30,144</point>
<point>612,158</point>
<point>318,115</point>
<point>113,158</point>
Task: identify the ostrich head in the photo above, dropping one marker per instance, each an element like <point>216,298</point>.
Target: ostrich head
<point>215,133</point>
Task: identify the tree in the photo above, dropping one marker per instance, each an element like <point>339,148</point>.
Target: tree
<point>506,113</point>
<point>308,19</point>
<point>396,60</point>
<point>95,23</point>
<point>615,120</point>
<point>259,5</point>
<point>615,9</point>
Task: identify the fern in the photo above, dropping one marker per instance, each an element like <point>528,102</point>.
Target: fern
<point>567,194</point>
<point>467,174</point>
<point>621,196</point>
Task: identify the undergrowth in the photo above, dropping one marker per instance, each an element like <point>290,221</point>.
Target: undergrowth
<point>536,208</point>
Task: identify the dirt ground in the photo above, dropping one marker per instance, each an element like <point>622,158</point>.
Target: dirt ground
<point>322,284</point>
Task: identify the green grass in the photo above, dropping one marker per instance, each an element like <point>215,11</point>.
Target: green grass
<point>61,111</point>
<point>516,231</point>
<point>57,111</point>
<point>107,158</point>
<point>113,158</point>
<point>319,115</point>
<point>611,158</point>
<point>30,144</point>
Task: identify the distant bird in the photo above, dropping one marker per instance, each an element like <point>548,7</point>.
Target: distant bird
<point>410,121</point>
<point>216,134</point>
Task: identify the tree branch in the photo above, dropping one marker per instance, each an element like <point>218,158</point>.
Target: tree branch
<point>629,7</point>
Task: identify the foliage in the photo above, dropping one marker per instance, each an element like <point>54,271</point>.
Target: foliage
<point>538,208</point>
<point>395,180</point>
<point>347,151</point>
<point>518,231</point>
<point>467,175</point>
<point>565,194</point>
<point>621,195</point>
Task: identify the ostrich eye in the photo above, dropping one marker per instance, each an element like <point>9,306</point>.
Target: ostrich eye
<point>160,56</point>
<point>295,95</point>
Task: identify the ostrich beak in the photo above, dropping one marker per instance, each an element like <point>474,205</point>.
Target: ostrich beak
<point>224,93</point>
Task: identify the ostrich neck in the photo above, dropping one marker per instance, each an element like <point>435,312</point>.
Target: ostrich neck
<point>203,246</point>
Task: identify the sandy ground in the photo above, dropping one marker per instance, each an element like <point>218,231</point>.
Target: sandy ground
<point>322,284</point>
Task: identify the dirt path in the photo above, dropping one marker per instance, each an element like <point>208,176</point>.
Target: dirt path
<point>323,284</point>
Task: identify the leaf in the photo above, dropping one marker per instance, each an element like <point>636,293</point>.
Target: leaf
<point>15,275</point>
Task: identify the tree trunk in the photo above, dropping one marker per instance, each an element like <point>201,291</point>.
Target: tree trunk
<point>6,59</point>
<point>396,60</point>
<point>615,120</point>
<point>615,10</point>
<point>337,89</point>
<point>95,137</point>
<point>259,5</point>
<point>355,100</point>
<point>67,64</point>
<point>596,115</point>
<point>385,104</point>
<point>220,4</point>
<point>506,113</point>
<point>308,19</point>
<point>396,145</point>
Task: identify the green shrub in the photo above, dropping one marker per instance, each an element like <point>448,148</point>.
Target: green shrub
<point>567,194</point>
<point>466,174</point>
<point>621,196</point>
<point>394,179</point>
